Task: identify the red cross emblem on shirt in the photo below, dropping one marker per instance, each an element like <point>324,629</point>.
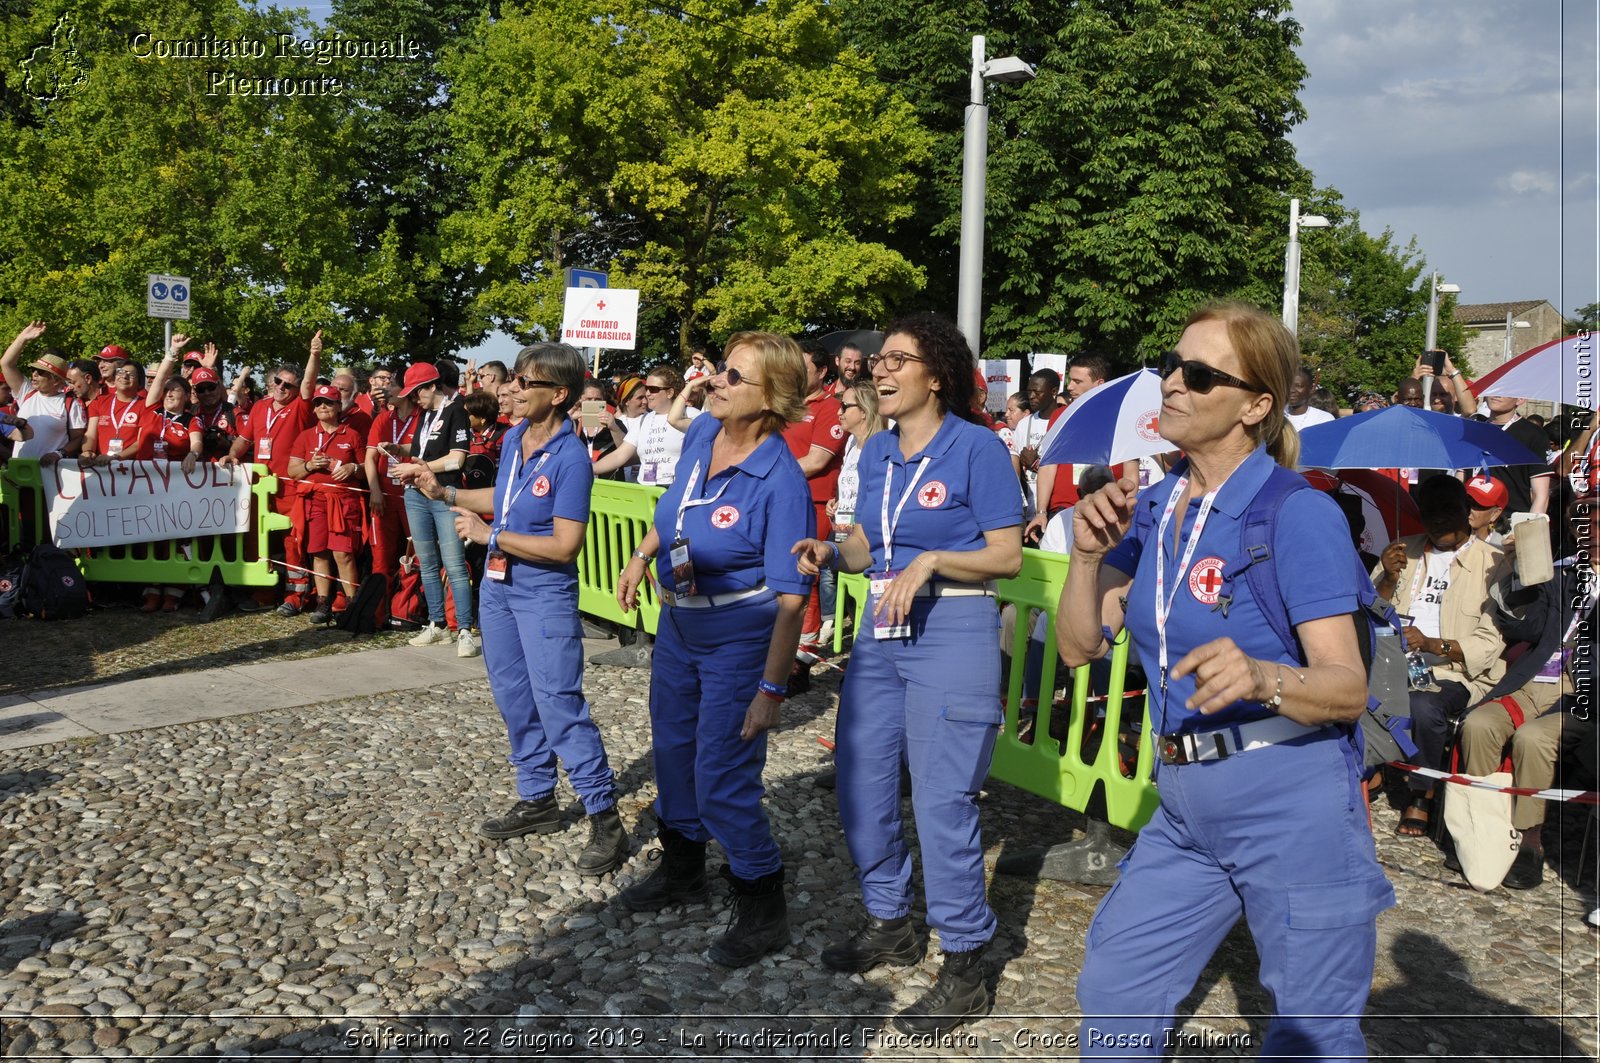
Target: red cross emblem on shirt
<point>724,517</point>
<point>1205,580</point>
<point>933,495</point>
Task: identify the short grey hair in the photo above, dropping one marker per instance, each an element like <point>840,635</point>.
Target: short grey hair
<point>559,363</point>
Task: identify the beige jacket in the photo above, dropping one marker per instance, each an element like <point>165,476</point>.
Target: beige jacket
<point>1466,614</point>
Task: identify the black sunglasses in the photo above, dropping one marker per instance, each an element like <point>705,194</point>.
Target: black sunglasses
<point>1200,377</point>
<point>843,406</point>
<point>736,378</point>
<point>651,389</point>
<point>208,387</point>
<point>524,383</point>
<point>281,383</point>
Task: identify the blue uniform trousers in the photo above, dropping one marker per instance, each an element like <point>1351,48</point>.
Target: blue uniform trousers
<point>930,701</point>
<point>706,667</point>
<point>1277,833</point>
<point>534,653</point>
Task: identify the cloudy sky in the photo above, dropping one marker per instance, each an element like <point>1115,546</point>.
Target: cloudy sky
<point>1470,124</point>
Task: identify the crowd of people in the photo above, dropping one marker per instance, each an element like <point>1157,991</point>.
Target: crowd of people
<point>783,464</point>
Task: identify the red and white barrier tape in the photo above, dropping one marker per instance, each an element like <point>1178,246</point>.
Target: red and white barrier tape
<point>1581,797</point>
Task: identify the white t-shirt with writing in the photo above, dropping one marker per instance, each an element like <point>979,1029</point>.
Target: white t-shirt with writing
<point>1432,580</point>
<point>50,417</point>
<point>659,446</point>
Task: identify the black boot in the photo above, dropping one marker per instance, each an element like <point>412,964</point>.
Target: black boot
<point>891,941</point>
<point>608,844</point>
<point>681,878</point>
<point>960,995</point>
<point>525,817</point>
<point>760,921</point>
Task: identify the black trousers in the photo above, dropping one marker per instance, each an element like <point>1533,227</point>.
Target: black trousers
<point>1431,714</point>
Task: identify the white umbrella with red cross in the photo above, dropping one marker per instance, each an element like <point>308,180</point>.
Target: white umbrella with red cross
<point>1116,422</point>
<point>1560,371</point>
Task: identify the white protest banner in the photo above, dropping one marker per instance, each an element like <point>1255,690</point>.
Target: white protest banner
<point>601,317</point>
<point>143,502</point>
<point>1004,378</point>
<point>1058,362</point>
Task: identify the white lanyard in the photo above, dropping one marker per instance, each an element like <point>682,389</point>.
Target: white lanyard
<point>271,420</point>
<point>216,415</point>
<point>397,431</point>
<point>888,525</point>
<point>685,503</point>
<point>322,442</point>
<point>116,418</point>
<point>425,433</point>
<point>1163,599</point>
<point>508,499</point>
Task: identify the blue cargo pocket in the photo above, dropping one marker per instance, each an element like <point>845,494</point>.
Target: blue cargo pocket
<point>979,710</point>
<point>561,627</point>
<point>1330,905</point>
<point>967,732</point>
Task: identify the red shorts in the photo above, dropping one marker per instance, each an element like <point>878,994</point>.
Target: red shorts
<point>320,536</point>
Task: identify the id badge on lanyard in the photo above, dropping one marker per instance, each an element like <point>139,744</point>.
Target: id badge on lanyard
<point>879,582</point>
<point>678,552</point>
<point>497,566</point>
<point>114,446</point>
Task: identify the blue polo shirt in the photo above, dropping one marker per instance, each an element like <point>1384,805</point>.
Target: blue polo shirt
<point>1312,552</point>
<point>966,488</point>
<point>745,519</point>
<point>555,481</point>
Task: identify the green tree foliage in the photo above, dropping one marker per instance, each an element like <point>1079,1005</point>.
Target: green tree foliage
<point>1364,303</point>
<point>423,308</point>
<point>1585,317</point>
<point>146,167</point>
<point>1145,170</point>
<point>731,159</point>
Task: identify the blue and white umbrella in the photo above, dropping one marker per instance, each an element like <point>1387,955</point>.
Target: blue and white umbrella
<point>1116,422</point>
<point>1403,437</point>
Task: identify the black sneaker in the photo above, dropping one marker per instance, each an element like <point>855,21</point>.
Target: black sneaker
<point>288,608</point>
<point>525,817</point>
<point>320,615</point>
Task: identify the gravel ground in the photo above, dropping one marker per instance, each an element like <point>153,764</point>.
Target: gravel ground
<point>121,643</point>
<point>310,883</point>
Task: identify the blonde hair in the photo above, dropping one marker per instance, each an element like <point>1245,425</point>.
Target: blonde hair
<point>1269,357</point>
<point>784,381</point>
<point>865,392</point>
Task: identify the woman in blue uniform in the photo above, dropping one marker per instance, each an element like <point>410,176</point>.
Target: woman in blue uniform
<point>1261,810</point>
<point>938,516</point>
<point>532,638</point>
<point>725,642</point>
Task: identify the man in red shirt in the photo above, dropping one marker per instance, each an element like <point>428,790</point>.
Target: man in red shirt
<point>328,459</point>
<point>275,423</point>
<point>217,421</point>
<point>350,409</point>
<point>818,444</point>
<point>392,433</point>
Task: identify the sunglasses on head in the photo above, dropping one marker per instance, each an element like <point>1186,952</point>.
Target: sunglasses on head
<point>1200,377</point>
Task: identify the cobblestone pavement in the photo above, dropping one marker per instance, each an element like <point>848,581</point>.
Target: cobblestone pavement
<point>291,882</point>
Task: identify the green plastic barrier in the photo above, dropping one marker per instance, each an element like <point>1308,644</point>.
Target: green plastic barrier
<point>619,518</point>
<point>1053,769</point>
<point>240,558</point>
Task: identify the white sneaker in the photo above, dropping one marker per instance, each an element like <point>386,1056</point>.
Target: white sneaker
<point>467,644</point>
<point>1593,918</point>
<point>431,635</point>
<point>825,636</point>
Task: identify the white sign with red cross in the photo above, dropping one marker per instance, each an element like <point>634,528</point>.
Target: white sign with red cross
<point>601,317</point>
<point>1205,580</point>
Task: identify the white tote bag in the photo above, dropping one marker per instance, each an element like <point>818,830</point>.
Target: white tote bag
<point>1480,823</point>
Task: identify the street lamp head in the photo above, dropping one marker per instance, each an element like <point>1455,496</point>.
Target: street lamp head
<point>1010,69</point>
<point>1314,221</point>
<point>1449,289</point>
<point>1522,324</point>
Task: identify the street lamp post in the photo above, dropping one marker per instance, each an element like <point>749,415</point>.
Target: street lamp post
<point>1430,338</point>
<point>1291,263</point>
<point>974,187</point>
<point>1511,324</point>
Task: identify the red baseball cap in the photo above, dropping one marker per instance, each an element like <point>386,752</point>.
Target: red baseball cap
<point>418,375</point>
<point>194,356</point>
<point>328,392</point>
<point>979,381</point>
<point>204,375</point>
<point>110,351</point>
<point>1486,492</point>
